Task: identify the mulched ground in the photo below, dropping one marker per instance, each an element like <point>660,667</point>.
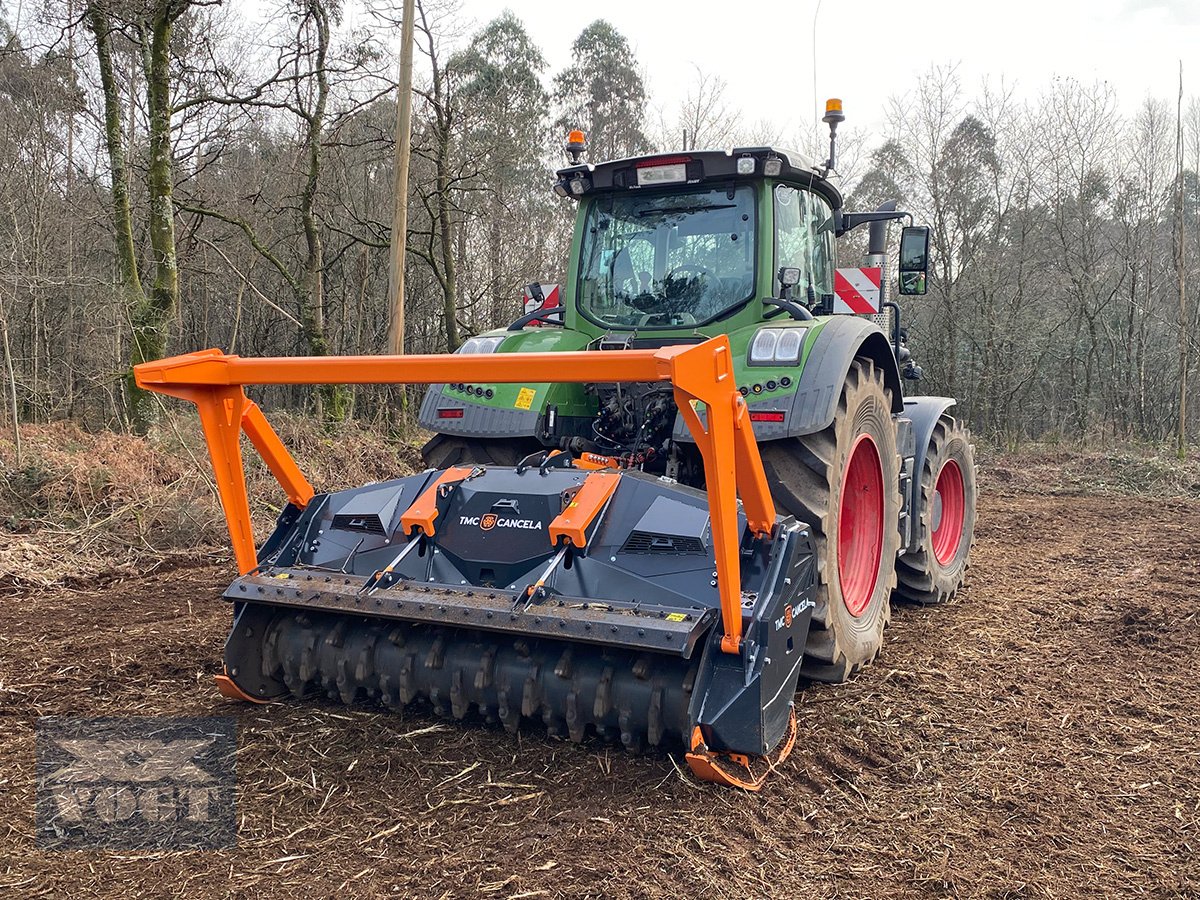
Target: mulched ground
<point>1035,738</point>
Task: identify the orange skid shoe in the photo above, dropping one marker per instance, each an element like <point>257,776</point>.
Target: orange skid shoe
<point>738,769</point>
<point>227,688</point>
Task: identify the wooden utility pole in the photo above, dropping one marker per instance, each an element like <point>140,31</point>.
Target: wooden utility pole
<point>400,186</point>
<point>1181,273</point>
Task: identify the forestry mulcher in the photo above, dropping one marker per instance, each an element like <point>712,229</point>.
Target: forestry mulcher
<point>650,510</point>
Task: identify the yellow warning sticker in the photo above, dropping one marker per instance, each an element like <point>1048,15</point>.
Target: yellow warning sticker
<point>525,398</point>
<point>675,617</point>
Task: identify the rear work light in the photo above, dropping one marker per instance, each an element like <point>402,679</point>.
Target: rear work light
<point>450,413</point>
<point>767,416</point>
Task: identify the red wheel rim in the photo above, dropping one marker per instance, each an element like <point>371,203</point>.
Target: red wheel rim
<point>949,510</point>
<point>860,525</point>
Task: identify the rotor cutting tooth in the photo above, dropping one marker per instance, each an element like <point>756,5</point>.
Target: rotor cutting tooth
<point>509,716</point>
<point>437,653</point>
<point>366,660</point>
<point>564,667</point>
<point>531,694</point>
<point>337,635</point>
<point>641,668</point>
<point>270,655</point>
<point>632,740</point>
<point>487,667</point>
<point>347,687</point>
<point>654,718</point>
<point>553,722</point>
<point>435,700</point>
<point>387,693</point>
<point>308,665</point>
<point>689,680</point>
<point>407,684</point>
<point>459,704</point>
<point>576,726</point>
<point>603,703</point>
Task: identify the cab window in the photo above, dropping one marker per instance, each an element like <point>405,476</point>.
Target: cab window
<point>804,240</point>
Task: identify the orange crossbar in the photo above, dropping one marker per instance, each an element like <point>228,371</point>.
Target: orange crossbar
<point>699,374</point>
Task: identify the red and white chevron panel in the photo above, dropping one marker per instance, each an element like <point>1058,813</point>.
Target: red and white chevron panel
<point>857,290</point>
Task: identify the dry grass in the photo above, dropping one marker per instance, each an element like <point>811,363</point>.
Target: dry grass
<point>1133,471</point>
<point>82,504</point>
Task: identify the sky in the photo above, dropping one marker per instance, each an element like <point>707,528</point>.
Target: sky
<point>868,50</point>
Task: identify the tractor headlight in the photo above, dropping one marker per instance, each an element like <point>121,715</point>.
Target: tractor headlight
<point>481,344</point>
<point>776,347</point>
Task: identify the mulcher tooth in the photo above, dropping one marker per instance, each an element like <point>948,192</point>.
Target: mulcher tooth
<point>347,685</point>
<point>459,704</point>
<point>603,703</point>
<point>487,669</point>
<point>437,653</point>
<point>531,693</point>
<point>641,668</point>
<point>654,718</point>
<point>563,667</point>
<point>308,660</point>
<point>631,739</point>
<point>337,635</point>
<point>408,684</point>
<point>366,661</point>
<point>388,695</point>
<point>576,725</point>
<point>553,722</point>
<point>509,716</point>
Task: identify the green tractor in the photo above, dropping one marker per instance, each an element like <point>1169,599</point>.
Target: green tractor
<point>676,248</point>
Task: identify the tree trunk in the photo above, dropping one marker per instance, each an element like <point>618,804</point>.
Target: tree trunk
<point>152,314</point>
<point>333,400</point>
<point>132,297</point>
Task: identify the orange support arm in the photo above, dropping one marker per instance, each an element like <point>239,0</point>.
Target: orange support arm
<point>700,373</point>
<point>424,510</point>
<point>572,523</point>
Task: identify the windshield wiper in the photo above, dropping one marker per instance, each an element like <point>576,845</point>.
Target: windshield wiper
<point>683,209</point>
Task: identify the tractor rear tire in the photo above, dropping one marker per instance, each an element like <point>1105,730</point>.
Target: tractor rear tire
<point>934,572</point>
<point>844,482</point>
<point>444,450</point>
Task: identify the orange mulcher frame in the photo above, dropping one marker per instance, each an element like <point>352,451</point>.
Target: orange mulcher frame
<point>699,373</point>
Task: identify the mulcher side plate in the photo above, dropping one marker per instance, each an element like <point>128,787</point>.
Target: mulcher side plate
<point>622,641</point>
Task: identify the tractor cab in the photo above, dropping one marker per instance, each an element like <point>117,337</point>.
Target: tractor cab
<point>698,241</point>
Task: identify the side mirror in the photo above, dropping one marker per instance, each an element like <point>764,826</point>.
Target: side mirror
<point>914,259</point>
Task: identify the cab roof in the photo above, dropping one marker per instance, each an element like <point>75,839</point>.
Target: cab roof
<point>696,167</point>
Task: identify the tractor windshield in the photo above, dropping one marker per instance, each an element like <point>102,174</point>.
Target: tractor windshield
<point>667,260</point>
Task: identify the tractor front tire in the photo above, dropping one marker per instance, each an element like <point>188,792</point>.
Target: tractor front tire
<point>934,572</point>
<point>444,450</point>
<point>844,482</point>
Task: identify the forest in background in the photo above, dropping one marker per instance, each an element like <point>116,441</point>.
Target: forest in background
<point>174,176</point>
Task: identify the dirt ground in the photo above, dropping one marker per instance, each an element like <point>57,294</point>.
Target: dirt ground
<point>1037,737</point>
